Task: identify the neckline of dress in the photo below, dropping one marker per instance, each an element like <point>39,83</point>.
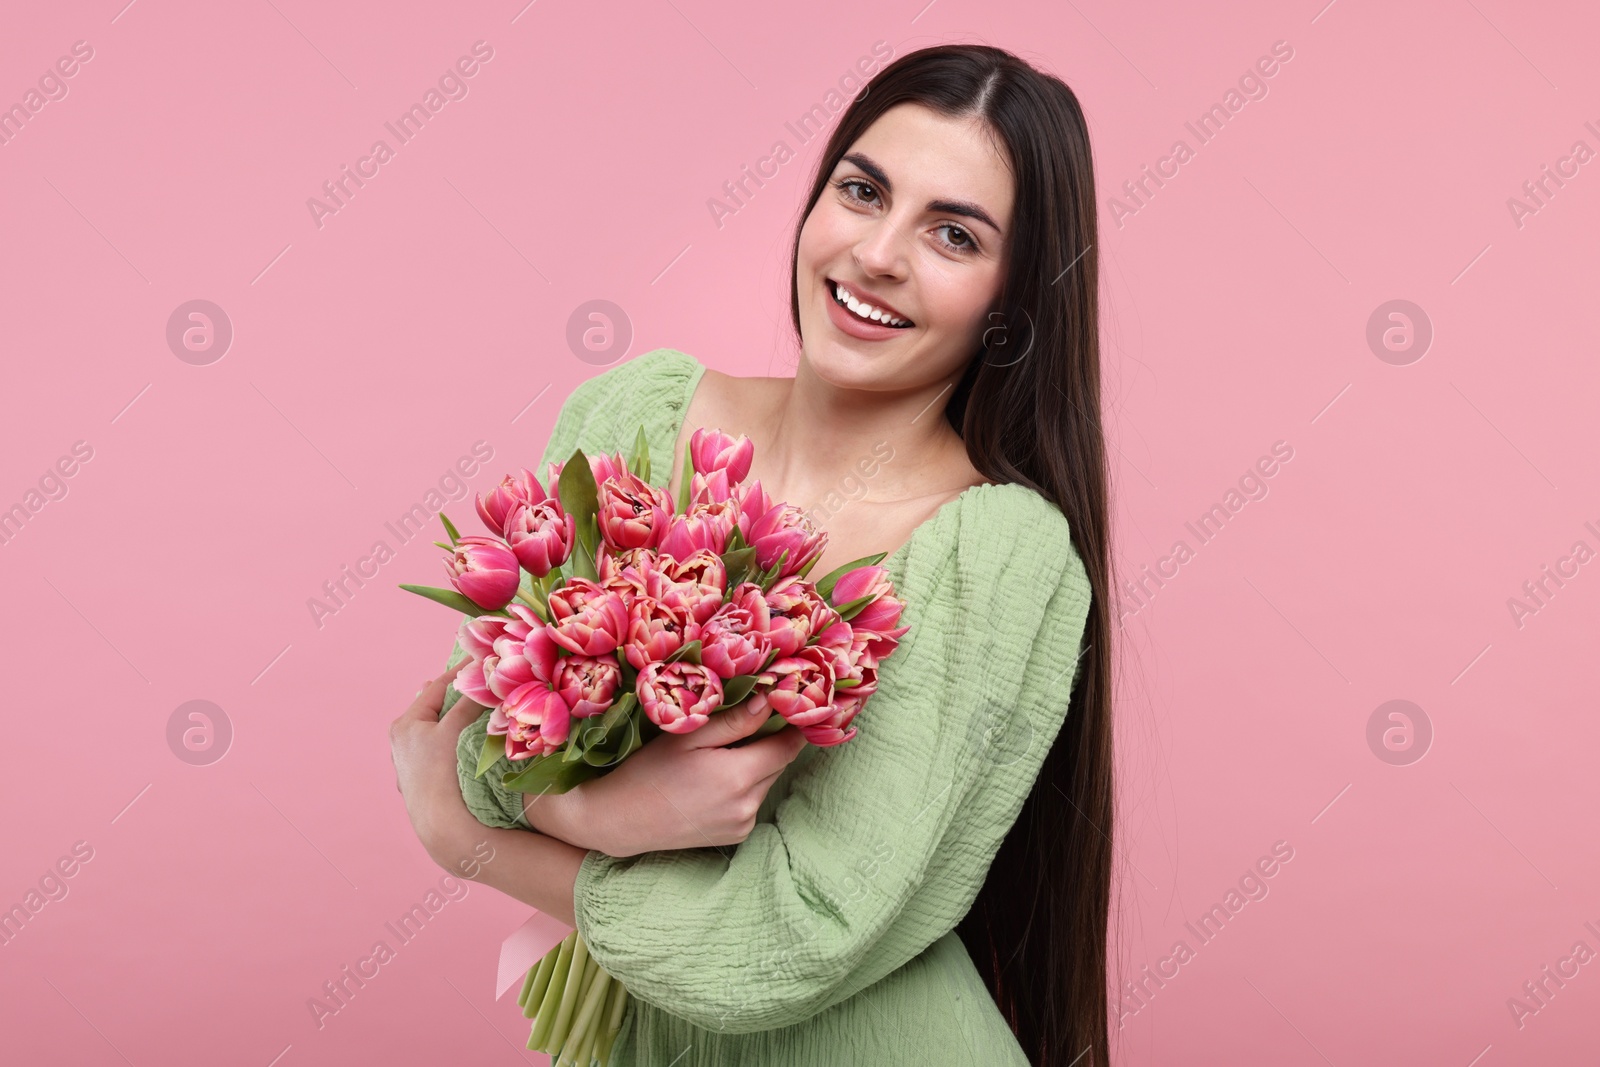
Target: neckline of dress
<point>691,382</point>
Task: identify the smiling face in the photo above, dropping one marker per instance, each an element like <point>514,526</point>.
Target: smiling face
<point>913,227</point>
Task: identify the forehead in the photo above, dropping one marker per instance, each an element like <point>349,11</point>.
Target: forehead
<point>930,156</point>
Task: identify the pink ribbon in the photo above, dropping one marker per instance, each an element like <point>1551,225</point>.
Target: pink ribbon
<point>525,947</point>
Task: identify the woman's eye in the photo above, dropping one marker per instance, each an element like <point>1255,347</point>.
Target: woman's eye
<point>858,190</point>
<point>957,237</point>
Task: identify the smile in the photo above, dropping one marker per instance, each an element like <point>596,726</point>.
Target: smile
<point>864,311</point>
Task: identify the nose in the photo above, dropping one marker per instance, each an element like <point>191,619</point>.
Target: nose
<point>881,251</point>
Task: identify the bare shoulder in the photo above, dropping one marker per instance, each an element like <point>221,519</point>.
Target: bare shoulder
<point>735,404</point>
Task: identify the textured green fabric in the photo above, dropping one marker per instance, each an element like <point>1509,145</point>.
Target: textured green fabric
<point>827,936</point>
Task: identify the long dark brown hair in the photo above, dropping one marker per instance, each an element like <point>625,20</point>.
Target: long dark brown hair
<point>1028,409</point>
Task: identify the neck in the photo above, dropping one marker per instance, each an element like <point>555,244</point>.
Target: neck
<point>823,439</point>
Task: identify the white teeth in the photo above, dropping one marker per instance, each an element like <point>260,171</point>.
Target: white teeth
<point>865,310</point>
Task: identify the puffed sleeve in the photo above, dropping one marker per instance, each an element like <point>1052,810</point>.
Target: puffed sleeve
<point>877,847</point>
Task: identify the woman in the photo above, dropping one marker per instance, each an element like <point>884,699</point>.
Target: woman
<point>936,890</point>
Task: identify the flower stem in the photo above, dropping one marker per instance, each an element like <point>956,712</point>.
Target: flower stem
<point>541,982</point>
<point>576,979</point>
<point>613,1021</point>
<point>545,1017</point>
<point>581,1040</point>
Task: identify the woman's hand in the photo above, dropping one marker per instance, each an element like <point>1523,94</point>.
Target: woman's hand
<point>424,750</point>
<point>678,791</point>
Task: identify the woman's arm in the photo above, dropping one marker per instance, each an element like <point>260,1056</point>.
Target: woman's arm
<point>678,791</point>
<point>536,869</point>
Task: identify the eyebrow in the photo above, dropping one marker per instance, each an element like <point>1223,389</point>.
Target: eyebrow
<point>964,208</point>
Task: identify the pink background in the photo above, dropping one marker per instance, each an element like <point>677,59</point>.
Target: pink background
<point>370,353</point>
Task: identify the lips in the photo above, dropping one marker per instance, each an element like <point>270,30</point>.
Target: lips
<point>888,316</point>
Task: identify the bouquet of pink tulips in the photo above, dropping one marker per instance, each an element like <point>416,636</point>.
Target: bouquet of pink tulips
<point>603,615</point>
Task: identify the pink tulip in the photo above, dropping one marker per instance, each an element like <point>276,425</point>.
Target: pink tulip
<point>713,450</point>
<point>632,512</point>
<point>851,661</point>
<point>588,683</point>
<point>505,655</point>
<point>832,729</point>
<point>713,488</point>
<point>696,583</point>
<point>678,697</point>
<point>587,619</point>
<point>796,612</point>
<point>625,572</point>
<point>602,466</point>
<point>882,613</point>
<point>605,467</point>
<point>802,692</point>
<point>485,571</point>
<point>734,641</point>
<point>535,721</point>
<point>785,529</point>
<point>656,631</point>
<point>702,528</point>
<point>495,507</point>
<point>753,503</point>
<point>541,536</point>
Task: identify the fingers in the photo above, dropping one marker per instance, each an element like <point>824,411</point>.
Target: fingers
<point>726,727</point>
<point>771,754</point>
<point>431,699</point>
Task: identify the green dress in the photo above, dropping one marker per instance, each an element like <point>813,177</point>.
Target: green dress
<point>827,936</point>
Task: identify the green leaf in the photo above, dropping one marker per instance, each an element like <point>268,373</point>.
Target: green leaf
<point>450,598</point>
<point>583,554</point>
<point>494,747</point>
<point>612,754</point>
<point>826,583</point>
<point>771,726</point>
<point>639,460</point>
<point>447,548</point>
<point>846,683</point>
<point>689,651</point>
<point>619,712</point>
<point>769,577</point>
<point>688,477</point>
<point>580,498</point>
<point>850,609</point>
<point>450,528</point>
<point>735,689</point>
<point>548,774</point>
<point>737,562</point>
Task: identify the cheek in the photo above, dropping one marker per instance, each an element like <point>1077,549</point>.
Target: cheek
<point>958,302</point>
<point>823,238</point>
